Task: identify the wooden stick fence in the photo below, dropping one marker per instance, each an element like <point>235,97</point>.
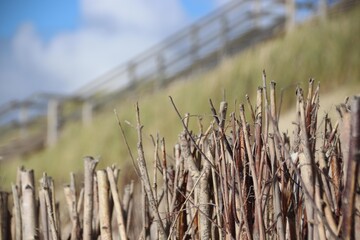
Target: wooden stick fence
<point>240,178</point>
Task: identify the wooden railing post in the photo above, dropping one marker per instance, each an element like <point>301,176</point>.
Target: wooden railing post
<point>131,70</point>
<point>87,109</point>
<point>23,118</point>
<point>160,61</point>
<point>291,11</point>
<point>257,9</point>
<point>194,46</point>
<point>223,35</point>
<point>52,122</point>
<point>322,9</point>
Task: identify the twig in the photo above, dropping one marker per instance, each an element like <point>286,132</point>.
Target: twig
<point>127,143</point>
<point>104,208</point>
<point>353,163</point>
<point>28,204</point>
<point>70,197</point>
<point>253,173</point>
<point>90,164</point>
<point>145,178</point>
<point>165,178</point>
<point>17,212</point>
<point>117,204</point>
<point>189,134</point>
<point>4,216</point>
<point>49,207</point>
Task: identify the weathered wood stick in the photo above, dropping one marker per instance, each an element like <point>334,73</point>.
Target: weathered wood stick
<point>276,192</point>
<point>104,207</point>
<point>165,179</point>
<point>46,183</point>
<point>353,162</point>
<point>43,215</point>
<point>90,164</point>
<point>117,204</point>
<point>129,205</point>
<point>80,203</point>
<point>306,163</point>
<point>17,212</point>
<point>96,218</point>
<point>29,218</point>
<point>70,197</point>
<point>253,173</point>
<point>4,216</point>
<point>146,180</point>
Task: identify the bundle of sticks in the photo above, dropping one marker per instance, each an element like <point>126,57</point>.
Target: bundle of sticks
<point>244,179</point>
<point>238,178</point>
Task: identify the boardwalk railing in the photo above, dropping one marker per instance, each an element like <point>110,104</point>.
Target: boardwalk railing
<point>228,30</point>
<point>231,28</point>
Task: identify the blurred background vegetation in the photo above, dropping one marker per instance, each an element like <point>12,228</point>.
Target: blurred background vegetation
<point>327,51</point>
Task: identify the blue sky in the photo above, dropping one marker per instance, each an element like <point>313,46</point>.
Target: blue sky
<point>58,46</point>
<point>47,16</point>
<point>50,17</point>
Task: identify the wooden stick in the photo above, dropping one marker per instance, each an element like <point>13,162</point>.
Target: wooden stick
<point>188,132</point>
<point>146,180</point>
<point>90,164</point>
<point>54,206</point>
<point>96,217</point>
<point>204,198</point>
<point>43,215</point>
<point>253,173</point>
<point>126,143</point>
<point>80,203</point>
<point>276,195</point>
<point>49,207</point>
<point>70,197</point>
<point>306,163</point>
<point>155,166</point>
<point>104,207</point>
<point>4,216</point>
<point>29,217</point>
<point>251,109</point>
<point>128,206</point>
<point>145,216</point>
<point>117,204</point>
<point>18,179</point>
<point>242,206</point>
<point>353,163</point>
<point>17,212</point>
<point>165,179</point>
<point>258,131</point>
<point>305,190</point>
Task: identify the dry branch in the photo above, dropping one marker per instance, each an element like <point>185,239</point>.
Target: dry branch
<point>90,164</point>
<point>145,178</point>
<point>353,162</point>
<point>117,204</point>
<point>236,180</point>
<point>104,208</point>
<point>4,216</point>
<point>17,213</point>
<point>29,217</point>
<point>71,200</point>
<point>253,174</point>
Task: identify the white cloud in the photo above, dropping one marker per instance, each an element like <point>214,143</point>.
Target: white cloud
<point>112,32</point>
<point>220,2</point>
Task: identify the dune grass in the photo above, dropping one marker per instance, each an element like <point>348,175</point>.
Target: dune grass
<point>328,52</point>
